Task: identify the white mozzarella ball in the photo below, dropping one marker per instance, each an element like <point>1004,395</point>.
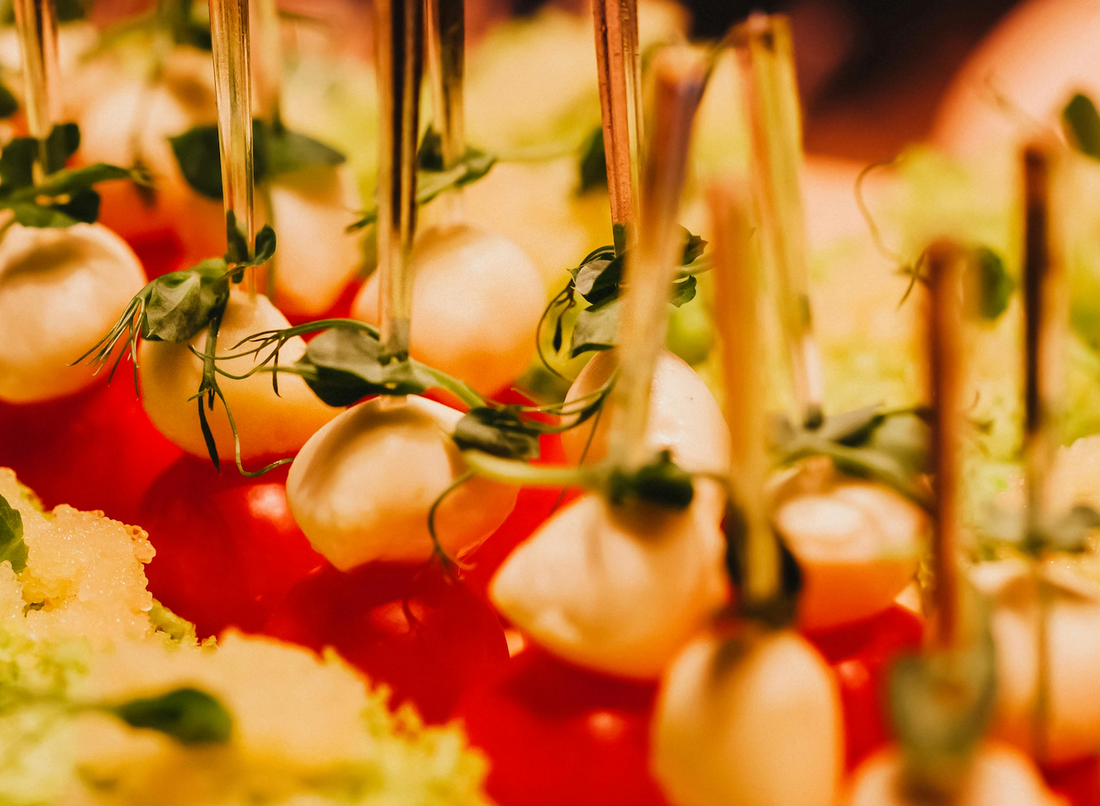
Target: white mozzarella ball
<point>1073,724</point>
<point>361,488</point>
<point>684,417</point>
<point>998,776</point>
<point>269,425</point>
<point>751,725</point>
<point>477,299</point>
<point>316,257</point>
<point>61,290</point>
<point>615,589</point>
<point>857,543</point>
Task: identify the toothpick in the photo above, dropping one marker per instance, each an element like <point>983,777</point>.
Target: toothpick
<point>1045,315</point>
<point>945,358</point>
<point>737,314</point>
<point>445,23</point>
<point>233,90</point>
<point>766,56</point>
<point>36,24</point>
<point>616,25</point>
<point>679,76</point>
<point>399,36</point>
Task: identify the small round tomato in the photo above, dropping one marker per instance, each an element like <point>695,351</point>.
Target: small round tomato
<point>93,450</point>
<point>227,547</point>
<point>1077,782</point>
<point>556,734</point>
<point>412,627</point>
<point>160,252</point>
<point>861,655</point>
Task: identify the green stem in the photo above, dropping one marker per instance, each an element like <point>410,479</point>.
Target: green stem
<point>510,471</point>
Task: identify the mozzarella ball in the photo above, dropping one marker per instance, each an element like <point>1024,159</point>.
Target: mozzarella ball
<point>1073,725</point>
<point>615,589</point>
<point>269,425</point>
<point>998,776</point>
<point>477,299</point>
<point>857,543</point>
<point>316,256</point>
<point>361,488</point>
<point>61,290</point>
<point>135,119</point>
<point>751,725</point>
<point>684,417</point>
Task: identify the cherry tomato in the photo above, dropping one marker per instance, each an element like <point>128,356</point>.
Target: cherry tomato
<point>94,450</point>
<point>861,655</point>
<point>556,734</point>
<point>413,627</point>
<point>160,252</point>
<point>1077,782</point>
<point>227,547</point>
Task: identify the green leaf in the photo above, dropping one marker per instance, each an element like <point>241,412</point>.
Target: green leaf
<point>287,151</point>
<point>661,482</point>
<point>694,246</point>
<point>994,285</point>
<point>595,329</point>
<point>1081,124</point>
<point>499,432</point>
<point>344,366</point>
<point>180,304</point>
<point>597,279</point>
<point>782,610</point>
<point>9,105</point>
<point>12,547</point>
<point>188,715</point>
<point>592,169</point>
<point>62,143</point>
<point>199,158</point>
<point>17,163</point>
<point>684,288</point>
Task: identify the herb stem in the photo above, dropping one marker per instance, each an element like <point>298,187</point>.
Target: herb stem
<point>766,57</point>
<point>510,471</point>
<point>36,25</point>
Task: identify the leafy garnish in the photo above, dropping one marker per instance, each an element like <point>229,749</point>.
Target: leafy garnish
<point>660,481</point>
<point>276,150</point>
<point>498,432</point>
<point>598,282</point>
<point>995,286</point>
<point>12,547</point>
<point>782,609</point>
<point>592,168</point>
<point>188,715</point>
<point>1081,124</point>
<point>9,105</point>
<point>433,179</point>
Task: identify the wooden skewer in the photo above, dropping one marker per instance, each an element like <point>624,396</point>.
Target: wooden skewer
<point>616,24</point>
<point>269,55</point>
<point>766,56</point>
<point>737,314</point>
<point>36,24</point>
<point>679,77</point>
<point>445,23</point>
<point>399,37</point>
<point>233,90</point>
<point>945,358</point>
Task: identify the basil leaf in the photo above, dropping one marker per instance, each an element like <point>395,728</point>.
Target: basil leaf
<point>62,143</point>
<point>661,482</point>
<point>598,279</point>
<point>287,151</point>
<point>180,304</point>
<point>12,547</point>
<point>17,163</point>
<point>499,432</point>
<point>595,329</point>
<point>1081,124</point>
<point>188,715</point>
<point>994,285</point>
<point>344,366</point>
<point>8,103</point>
<point>782,610</point>
<point>683,289</point>
<point>694,246</point>
<point>199,158</point>
<point>592,169</point>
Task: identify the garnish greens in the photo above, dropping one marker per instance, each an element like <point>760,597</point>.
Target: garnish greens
<point>781,610</point>
<point>592,166</point>
<point>277,150</point>
<point>66,195</point>
<point>12,547</point>
<point>1081,124</point>
<point>188,715</point>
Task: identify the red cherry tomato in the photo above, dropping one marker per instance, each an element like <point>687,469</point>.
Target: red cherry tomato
<point>160,252</point>
<point>1078,782</point>
<point>860,656</point>
<point>414,628</point>
<point>94,450</point>
<point>227,547</point>
<point>556,734</point>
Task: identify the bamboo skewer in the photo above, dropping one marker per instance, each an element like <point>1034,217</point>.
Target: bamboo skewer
<point>36,25</point>
<point>269,58</point>
<point>445,25</point>
<point>229,29</point>
<point>737,315</point>
<point>616,26</point>
<point>679,79</point>
<point>399,36</point>
<point>766,56</point>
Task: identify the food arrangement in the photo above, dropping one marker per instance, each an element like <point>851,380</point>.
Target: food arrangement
<point>534,442</point>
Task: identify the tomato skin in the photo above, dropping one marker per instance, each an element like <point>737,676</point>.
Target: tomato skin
<point>556,734</point>
<point>1077,782</point>
<point>412,627</point>
<point>95,449</point>
<point>861,656</point>
<point>227,547</point>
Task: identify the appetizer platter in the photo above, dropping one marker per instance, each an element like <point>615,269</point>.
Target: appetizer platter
<point>430,426</point>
